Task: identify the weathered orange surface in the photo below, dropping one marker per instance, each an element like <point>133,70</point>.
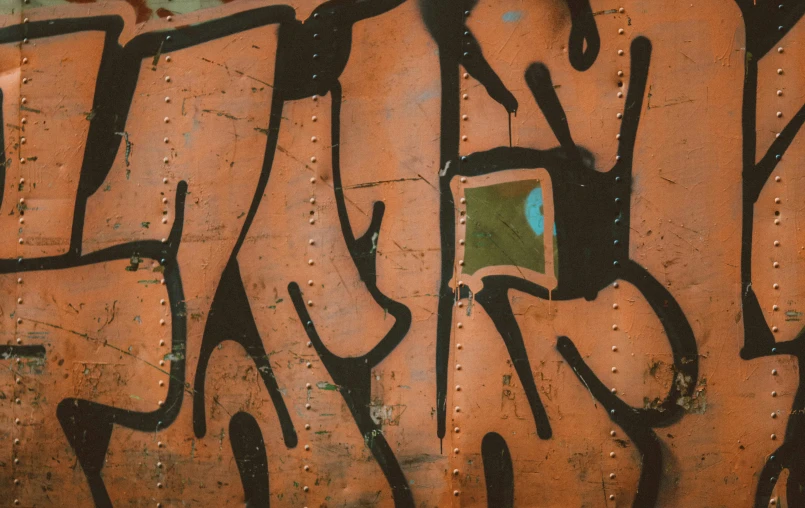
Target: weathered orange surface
<point>261,197</point>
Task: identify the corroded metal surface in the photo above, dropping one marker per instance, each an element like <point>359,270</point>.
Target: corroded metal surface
<point>401,253</point>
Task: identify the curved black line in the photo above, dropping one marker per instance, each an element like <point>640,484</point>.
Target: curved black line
<point>583,31</point>
<point>250,454</point>
<point>498,471</point>
<point>353,377</point>
<point>495,301</point>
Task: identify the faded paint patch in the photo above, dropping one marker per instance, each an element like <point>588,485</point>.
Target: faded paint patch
<point>512,16</point>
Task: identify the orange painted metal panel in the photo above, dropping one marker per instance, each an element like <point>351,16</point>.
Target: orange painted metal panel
<point>401,253</point>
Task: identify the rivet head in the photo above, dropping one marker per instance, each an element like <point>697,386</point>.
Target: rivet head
<point>313,180</point>
<point>776,264</point>
<point>307,406</point>
<point>455,450</point>
<point>614,369</point>
<point>779,114</point>
<point>465,97</point>
<point>455,472</point>
<point>774,415</point>
<point>159,444</point>
<point>620,31</point>
<point>611,476</point>
<point>777,178</point>
<point>307,427</point>
<point>466,76</point>
<point>774,329</point>
<point>308,365</point>
<point>459,325</point>
<point>773,372</point>
<point>612,454</point>
<point>620,74</point>
<point>777,221</point>
<point>779,71</point>
<point>619,115</point>
<point>167,79</point>
<point>314,139</point>
<point>620,52</point>
<point>307,447</point>
<point>166,120</point>
<point>306,488</point>
<point>621,10</point>
<point>773,394</point>
<point>612,433</point>
<point>458,367</point>
<point>310,261</point>
<point>458,388</point>
<point>775,307</point>
<point>456,430</point>
<point>776,286</point>
<point>779,93</point>
<point>780,49</point>
<point>613,390</point>
<point>456,493</point>
<point>169,18</point>
<point>614,327</point>
<point>777,243</point>
<point>614,348</point>
<point>773,437</point>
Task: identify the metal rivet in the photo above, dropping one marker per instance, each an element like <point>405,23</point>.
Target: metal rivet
<point>24,100</point>
<point>614,348</point>
<point>612,454</point>
<point>23,140</point>
<point>621,10</point>
<point>620,94</point>
<point>776,264</point>
<point>307,427</point>
<point>619,115</point>
<point>777,243</point>
<point>465,97</point>
<point>614,327</point>
<point>780,49</point>
<point>773,437</point>
<point>459,325</point>
<point>615,284</point>
<point>23,120</point>
<point>613,390</point>
<point>773,394</point>
<point>779,93</point>
<point>775,286</point>
<point>620,31</point>
<point>459,346</point>
<point>166,120</point>
<point>777,221</point>
<point>465,117</point>
<point>314,139</point>
<point>779,71</point>
<point>167,99</point>
<point>774,329</point>
<point>169,18</point>
<point>456,493</point>
<point>313,159</point>
<point>779,114</point>
<point>161,403</point>
<point>457,430</point>
<point>620,73</point>
<point>455,450</point>
<point>461,262</point>
<point>24,80</point>
<point>458,367</point>
<point>614,369</point>
<point>775,307</point>
<point>313,180</point>
<point>458,388</point>
<point>308,365</point>
<point>19,340</point>
<point>620,52</point>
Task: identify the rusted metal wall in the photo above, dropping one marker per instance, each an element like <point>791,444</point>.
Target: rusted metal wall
<point>423,253</point>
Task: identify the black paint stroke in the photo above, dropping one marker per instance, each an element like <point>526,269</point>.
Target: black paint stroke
<point>584,43</point>
<point>231,319</point>
<point>251,457</point>
<point>766,23</point>
<point>627,418</point>
<point>498,471</point>
<point>353,376</point>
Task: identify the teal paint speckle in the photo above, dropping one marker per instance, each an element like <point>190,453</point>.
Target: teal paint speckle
<point>512,16</point>
<point>533,211</point>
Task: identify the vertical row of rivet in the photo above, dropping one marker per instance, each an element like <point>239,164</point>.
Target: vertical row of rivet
<point>20,389</point>
<point>161,347</point>
<point>312,244</point>
<point>460,335</point>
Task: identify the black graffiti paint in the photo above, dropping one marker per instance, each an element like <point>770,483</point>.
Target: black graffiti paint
<point>592,220</point>
<point>584,42</point>
<point>251,457</point>
<point>766,23</point>
<point>498,471</point>
<point>353,375</point>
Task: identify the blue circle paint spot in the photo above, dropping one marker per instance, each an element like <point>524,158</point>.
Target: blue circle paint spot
<point>533,211</point>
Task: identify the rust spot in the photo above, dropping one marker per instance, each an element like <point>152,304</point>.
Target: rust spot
<point>164,13</point>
